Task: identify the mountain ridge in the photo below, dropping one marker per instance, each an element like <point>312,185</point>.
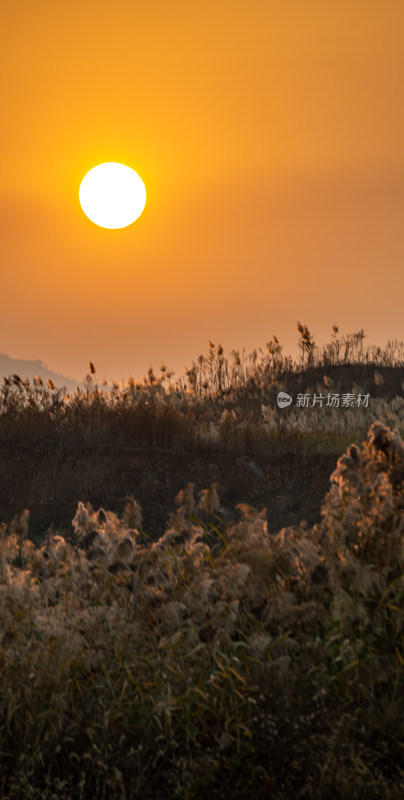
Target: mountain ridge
<point>31,368</point>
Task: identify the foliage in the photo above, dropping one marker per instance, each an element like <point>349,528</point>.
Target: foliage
<point>220,659</point>
<point>228,403</point>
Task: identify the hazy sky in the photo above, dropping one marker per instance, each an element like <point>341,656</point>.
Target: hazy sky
<point>270,137</point>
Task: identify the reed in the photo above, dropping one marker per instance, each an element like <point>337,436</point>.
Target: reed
<point>221,659</point>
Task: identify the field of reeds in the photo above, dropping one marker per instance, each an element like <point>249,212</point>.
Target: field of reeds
<point>226,403</point>
<point>230,655</point>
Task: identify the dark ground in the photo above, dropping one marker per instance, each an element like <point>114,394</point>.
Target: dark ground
<point>50,484</point>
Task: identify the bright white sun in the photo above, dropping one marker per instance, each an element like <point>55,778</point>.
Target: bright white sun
<point>112,195</point>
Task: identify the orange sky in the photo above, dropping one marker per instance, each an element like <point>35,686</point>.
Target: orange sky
<point>270,137</point>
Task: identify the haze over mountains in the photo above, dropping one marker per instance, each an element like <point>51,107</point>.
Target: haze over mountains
<point>32,369</point>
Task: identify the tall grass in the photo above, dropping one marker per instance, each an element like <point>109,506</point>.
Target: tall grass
<point>220,660</point>
<point>225,402</point>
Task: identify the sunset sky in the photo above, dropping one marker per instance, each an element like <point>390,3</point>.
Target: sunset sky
<point>270,138</point>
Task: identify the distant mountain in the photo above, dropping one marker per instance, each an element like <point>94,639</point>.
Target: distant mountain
<point>32,369</point>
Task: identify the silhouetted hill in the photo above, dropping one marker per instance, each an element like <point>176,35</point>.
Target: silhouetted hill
<point>30,369</point>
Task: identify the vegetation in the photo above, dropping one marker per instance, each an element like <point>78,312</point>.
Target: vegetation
<point>222,403</point>
<point>222,659</point>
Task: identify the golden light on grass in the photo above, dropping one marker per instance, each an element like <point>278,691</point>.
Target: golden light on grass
<point>112,195</point>
<point>270,635</point>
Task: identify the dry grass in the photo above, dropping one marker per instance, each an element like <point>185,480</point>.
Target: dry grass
<point>209,662</point>
<point>225,403</point>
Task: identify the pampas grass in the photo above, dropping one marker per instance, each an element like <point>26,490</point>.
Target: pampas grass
<point>225,402</point>
<point>147,668</point>
<point>222,659</point>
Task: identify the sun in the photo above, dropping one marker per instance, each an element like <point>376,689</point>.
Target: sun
<point>112,195</point>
